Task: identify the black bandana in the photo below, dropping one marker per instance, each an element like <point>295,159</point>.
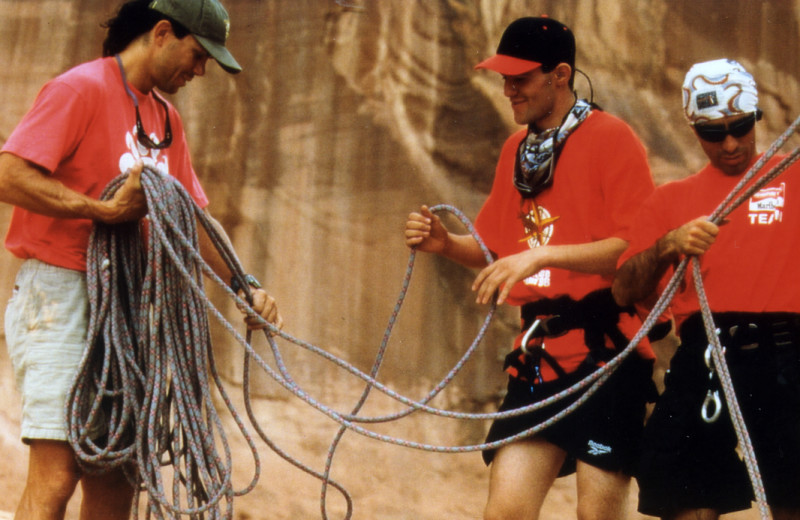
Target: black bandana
<point>537,153</point>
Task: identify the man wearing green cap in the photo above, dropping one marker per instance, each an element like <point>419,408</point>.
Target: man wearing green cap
<point>86,127</point>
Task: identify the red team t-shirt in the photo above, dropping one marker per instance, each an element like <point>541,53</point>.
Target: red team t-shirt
<point>752,265</point>
<point>601,177</point>
<point>82,130</point>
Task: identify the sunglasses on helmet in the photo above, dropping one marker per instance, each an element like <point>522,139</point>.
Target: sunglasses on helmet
<point>717,132</point>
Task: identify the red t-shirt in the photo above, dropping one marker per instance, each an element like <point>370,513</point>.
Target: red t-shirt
<point>601,177</point>
<point>82,129</point>
<point>752,265</point>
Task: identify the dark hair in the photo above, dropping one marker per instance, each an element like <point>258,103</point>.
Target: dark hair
<point>133,19</point>
<point>551,68</point>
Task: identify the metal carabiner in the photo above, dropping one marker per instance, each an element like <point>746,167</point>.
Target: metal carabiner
<point>709,353</point>
<point>526,338</point>
<point>708,358</point>
<point>712,398</point>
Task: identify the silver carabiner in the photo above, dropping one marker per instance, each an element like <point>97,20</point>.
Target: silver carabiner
<point>527,336</point>
<point>710,360</point>
<point>712,398</point>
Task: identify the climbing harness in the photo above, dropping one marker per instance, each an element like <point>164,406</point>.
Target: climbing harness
<point>145,373</point>
<point>597,314</point>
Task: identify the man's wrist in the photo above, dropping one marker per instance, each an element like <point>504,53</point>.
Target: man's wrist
<point>666,252</point>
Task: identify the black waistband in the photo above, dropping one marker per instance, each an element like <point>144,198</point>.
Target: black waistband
<point>742,329</point>
<point>596,313</point>
<point>560,315</point>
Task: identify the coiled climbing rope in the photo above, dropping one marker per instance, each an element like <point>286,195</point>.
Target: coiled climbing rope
<point>142,400</point>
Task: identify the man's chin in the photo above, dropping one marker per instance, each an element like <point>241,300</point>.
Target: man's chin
<point>169,88</point>
<point>732,165</point>
<point>733,170</point>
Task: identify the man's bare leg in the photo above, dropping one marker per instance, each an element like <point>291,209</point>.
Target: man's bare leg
<point>521,475</point>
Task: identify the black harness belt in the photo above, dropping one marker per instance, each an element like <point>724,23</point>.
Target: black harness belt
<point>747,330</point>
<point>596,313</point>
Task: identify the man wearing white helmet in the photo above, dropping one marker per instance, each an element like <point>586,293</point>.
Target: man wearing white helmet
<point>690,467</point>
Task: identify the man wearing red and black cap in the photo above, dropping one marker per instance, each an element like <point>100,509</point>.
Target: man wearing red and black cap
<point>89,125</point>
<point>565,188</point>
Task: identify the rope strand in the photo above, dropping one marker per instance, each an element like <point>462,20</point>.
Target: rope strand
<point>142,398</point>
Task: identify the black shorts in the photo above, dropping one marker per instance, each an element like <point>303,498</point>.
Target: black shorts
<point>605,431</point>
<point>690,464</point>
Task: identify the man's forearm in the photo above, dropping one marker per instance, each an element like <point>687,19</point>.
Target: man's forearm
<point>638,277</point>
<point>599,257</point>
<point>465,250</point>
<point>27,186</point>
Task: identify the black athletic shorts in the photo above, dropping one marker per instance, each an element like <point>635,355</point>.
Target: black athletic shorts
<point>690,464</point>
<point>605,431</point>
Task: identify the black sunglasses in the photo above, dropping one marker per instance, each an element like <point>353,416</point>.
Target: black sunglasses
<point>141,135</point>
<point>144,139</point>
<point>716,133</point>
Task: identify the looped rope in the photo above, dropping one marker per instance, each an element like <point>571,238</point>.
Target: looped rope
<point>143,378</point>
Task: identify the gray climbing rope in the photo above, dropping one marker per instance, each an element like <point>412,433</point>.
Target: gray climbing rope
<point>142,399</point>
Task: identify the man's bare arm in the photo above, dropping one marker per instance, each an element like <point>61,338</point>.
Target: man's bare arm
<point>638,277</point>
<point>27,186</point>
<point>426,232</point>
<point>598,257</point>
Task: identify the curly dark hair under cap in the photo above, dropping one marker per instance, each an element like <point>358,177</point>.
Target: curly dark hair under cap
<point>133,19</point>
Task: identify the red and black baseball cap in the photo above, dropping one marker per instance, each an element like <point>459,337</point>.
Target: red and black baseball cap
<point>529,43</point>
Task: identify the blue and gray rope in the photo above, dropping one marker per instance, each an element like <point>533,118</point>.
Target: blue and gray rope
<point>145,368</point>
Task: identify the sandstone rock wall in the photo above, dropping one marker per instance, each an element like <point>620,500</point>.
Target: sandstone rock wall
<point>351,114</point>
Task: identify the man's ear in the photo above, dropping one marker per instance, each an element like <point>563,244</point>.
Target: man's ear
<point>562,73</point>
<point>161,32</point>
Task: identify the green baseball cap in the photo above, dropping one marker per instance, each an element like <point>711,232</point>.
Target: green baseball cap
<point>208,22</point>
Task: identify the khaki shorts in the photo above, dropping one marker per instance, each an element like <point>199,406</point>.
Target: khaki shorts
<point>46,322</point>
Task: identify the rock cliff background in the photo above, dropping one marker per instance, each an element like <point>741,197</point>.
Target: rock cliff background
<point>348,115</point>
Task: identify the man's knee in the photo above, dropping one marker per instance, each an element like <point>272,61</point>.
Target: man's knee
<point>59,486</point>
<point>602,495</point>
<point>611,511</point>
<point>48,497</point>
<point>53,473</point>
<point>495,511</point>
<point>521,475</point>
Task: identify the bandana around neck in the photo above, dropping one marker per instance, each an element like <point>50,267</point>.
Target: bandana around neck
<point>533,170</point>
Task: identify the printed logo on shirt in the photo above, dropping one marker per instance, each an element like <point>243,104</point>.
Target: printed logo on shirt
<point>766,206</point>
<point>152,158</point>
<point>540,279</point>
<point>538,224</point>
<point>595,448</point>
